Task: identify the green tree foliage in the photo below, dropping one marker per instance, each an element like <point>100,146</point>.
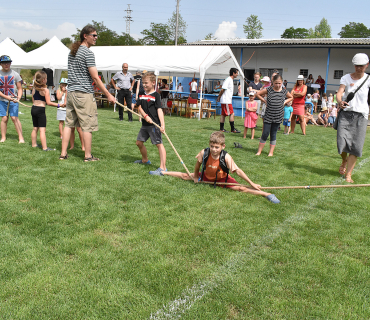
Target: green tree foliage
<point>295,33</point>
<point>108,37</point>
<point>322,30</point>
<point>354,30</point>
<point>210,36</point>
<point>158,34</point>
<point>181,32</point>
<point>253,28</point>
<point>66,41</point>
<point>30,45</point>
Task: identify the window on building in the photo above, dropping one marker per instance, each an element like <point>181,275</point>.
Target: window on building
<point>338,74</point>
<point>268,72</point>
<point>304,72</point>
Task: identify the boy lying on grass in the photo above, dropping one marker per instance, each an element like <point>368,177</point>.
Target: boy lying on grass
<point>217,164</point>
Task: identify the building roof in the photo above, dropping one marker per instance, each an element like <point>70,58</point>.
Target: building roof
<point>311,42</point>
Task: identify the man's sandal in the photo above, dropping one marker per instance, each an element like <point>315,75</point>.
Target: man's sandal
<point>92,158</point>
<point>63,157</point>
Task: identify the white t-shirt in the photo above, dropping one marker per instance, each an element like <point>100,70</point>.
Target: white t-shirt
<point>180,89</point>
<point>194,86</point>
<point>359,102</point>
<point>228,86</point>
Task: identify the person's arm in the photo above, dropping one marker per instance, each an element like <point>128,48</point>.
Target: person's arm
<point>32,93</point>
<point>242,175</point>
<point>290,98</point>
<point>47,99</point>
<point>113,83</point>
<point>300,94</point>
<point>20,90</point>
<point>261,93</point>
<point>137,90</point>
<point>220,94</point>
<point>94,75</point>
<point>132,80</point>
<point>196,172</point>
<point>342,104</point>
<point>161,119</point>
<point>59,94</point>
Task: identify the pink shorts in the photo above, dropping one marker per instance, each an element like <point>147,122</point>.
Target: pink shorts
<point>227,109</point>
<point>229,180</point>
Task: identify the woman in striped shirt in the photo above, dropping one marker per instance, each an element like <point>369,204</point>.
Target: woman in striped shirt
<point>277,98</point>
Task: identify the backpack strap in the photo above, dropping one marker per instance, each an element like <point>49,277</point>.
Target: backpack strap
<point>204,162</point>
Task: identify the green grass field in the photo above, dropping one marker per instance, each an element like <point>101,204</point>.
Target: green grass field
<point>106,240</point>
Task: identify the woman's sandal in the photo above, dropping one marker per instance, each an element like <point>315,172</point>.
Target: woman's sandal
<point>63,157</point>
<point>349,178</point>
<point>342,169</point>
<point>92,158</point>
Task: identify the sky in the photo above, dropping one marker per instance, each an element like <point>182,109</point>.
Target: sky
<point>36,20</point>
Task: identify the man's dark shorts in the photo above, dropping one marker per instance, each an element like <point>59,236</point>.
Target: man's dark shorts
<point>150,131</point>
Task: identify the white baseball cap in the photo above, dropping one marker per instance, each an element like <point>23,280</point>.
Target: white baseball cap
<point>300,77</point>
<point>251,93</point>
<point>265,79</point>
<point>360,59</point>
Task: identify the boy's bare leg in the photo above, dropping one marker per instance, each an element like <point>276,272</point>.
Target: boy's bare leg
<point>4,124</point>
<point>252,133</point>
<point>251,191</point>
<point>302,122</point>
<point>43,138</point>
<point>65,140</point>
<point>143,151</point>
<point>34,137</point>
<point>181,175</point>
<point>285,129</point>
<point>18,128</point>
<point>162,155</point>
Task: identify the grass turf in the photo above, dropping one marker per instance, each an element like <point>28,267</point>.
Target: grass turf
<point>106,240</point>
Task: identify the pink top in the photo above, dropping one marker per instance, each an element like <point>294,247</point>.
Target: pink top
<point>333,112</point>
<point>315,96</point>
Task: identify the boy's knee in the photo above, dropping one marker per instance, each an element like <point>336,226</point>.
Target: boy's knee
<point>14,118</point>
<point>139,143</point>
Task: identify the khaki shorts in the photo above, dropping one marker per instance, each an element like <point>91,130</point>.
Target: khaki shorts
<point>82,111</point>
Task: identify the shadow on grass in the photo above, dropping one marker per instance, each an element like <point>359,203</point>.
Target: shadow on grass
<point>311,169</point>
<point>128,158</point>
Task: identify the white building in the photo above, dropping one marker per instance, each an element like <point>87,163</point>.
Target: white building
<point>330,58</point>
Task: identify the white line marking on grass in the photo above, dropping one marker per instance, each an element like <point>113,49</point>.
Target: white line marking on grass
<point>178,307</point>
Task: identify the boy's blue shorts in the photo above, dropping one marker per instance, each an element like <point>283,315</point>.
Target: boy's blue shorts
<point>133,98</point>
<point>13,109</point>
<point>286,122</point>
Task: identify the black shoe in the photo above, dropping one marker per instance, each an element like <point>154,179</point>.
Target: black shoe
<point>223,130</point>
<point>235,131</point>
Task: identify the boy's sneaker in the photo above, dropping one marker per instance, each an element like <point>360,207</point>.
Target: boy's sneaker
<point>157,172</point>
<point>223,130</point>
<point>235,131</point>
<point>49,149</point>
<point>141,162</point>
<point>272,198</point>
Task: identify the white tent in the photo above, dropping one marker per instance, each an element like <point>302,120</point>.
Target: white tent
<point>215,61</point>
<point>9,48</point>
<point>53,55</point>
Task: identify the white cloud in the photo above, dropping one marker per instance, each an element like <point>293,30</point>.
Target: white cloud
<point>25,25</point>
<point>226,30</point>
<point>22,31</point>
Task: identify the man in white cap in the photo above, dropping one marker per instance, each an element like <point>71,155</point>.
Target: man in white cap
<point>352,120</point>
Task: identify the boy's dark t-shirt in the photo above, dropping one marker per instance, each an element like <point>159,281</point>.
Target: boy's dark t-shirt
<point>150,103</point>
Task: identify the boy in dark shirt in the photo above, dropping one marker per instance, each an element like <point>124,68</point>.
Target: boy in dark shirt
<point>149,106</point>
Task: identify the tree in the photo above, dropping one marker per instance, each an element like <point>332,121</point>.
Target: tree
<point>354,30</point>
<point>66,41</point>
<point>322,30</point>
<point>210,36</point>
<point>30,45</point>
<point>158,34</point>
<point>253,28</point>
<point>181,32</point>
<point>108,37</point>
<point>292,33</point>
